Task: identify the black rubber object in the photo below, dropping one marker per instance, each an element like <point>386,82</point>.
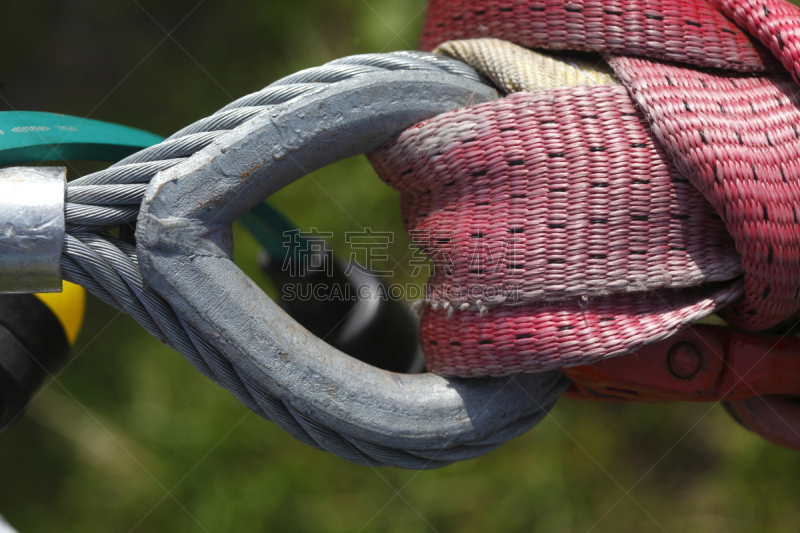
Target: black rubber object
<point>32,344</point>
<point>381,332</point>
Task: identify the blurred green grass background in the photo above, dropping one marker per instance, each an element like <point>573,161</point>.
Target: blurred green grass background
<point>131,438</point>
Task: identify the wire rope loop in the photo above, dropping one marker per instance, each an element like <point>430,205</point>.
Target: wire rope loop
<point>184,245</point>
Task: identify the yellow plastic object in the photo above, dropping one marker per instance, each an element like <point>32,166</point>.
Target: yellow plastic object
<point>69,306</point>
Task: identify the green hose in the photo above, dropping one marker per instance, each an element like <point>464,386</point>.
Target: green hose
<point>34,137</point>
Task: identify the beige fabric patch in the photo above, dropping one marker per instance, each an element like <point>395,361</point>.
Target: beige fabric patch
<point>516,69</point>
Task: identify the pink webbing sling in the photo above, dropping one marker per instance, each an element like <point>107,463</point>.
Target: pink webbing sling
<point>579,223</point>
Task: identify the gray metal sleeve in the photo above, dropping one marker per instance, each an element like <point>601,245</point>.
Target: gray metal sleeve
<point>32,227</point>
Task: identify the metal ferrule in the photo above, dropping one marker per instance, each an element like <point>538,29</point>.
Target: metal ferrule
<point>32,228</point>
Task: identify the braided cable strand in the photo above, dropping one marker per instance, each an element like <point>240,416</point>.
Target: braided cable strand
<point>86,206</point>
<point>613,246</point>
<point>113,263</point>
<point>109,267</point>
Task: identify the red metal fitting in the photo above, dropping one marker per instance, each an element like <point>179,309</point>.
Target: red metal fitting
<point>700,364</point>
<point>774,418</point>
<point>756,375</point>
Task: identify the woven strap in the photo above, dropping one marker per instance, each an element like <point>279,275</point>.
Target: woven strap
<point>555,195</point>
<point>738,140</point>
<point>774,22</point>
<point>567,225</point>
<point>509,340</point>
<point>687,31</point>
<point>543,198</point>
